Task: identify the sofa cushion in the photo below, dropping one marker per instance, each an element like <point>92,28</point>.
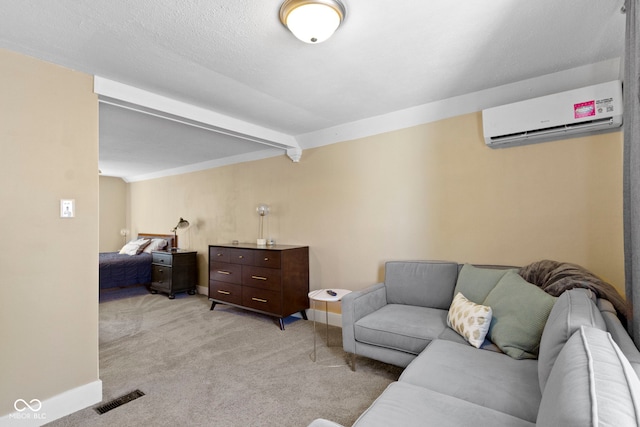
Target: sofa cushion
<point>469,319</point>
<point>407,405</point>
<point>486,378</point>
<point>423,283</point>
<point>450,335</point>
<point>591,384</point>
<point>475,283</point>
<point>573,309</point>
<point>520,311</point>
<point>401,327</point>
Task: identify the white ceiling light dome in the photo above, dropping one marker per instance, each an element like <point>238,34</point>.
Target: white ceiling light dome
<point>312,21</point>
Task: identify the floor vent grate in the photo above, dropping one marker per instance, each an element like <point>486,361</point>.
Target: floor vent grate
<point>119,401</point>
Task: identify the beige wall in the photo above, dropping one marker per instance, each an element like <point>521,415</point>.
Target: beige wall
<point>48,267</point>
<point>429,192</point>
<point>113,210</point>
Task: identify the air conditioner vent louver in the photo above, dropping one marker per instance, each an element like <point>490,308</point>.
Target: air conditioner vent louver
<point>593,109</point>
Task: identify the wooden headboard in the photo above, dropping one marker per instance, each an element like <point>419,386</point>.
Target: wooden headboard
<point>173,240</point>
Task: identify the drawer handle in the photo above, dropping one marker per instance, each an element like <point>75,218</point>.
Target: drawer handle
<point>224,292</point>
<point>259,299</point>
<point>219,254</point>
<point>223,272</point>
<point>266,259</point>
<point>258,277</point>
<point>240,256</point>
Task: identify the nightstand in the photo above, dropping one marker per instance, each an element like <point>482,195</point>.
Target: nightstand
<point>173,272</point>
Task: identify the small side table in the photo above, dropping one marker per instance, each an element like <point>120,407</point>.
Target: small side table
<point>322,295</point>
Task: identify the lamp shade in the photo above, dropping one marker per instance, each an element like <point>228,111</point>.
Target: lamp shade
<point>262,209</point>
<point>183,223</point>
<point>312,21</point>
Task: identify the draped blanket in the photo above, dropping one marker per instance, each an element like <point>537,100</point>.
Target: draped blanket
<point>556,277</point>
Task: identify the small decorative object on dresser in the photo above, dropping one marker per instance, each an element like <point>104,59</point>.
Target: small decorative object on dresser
<point>173,272</point>
<point>271,280</point>
<point>263,210</point>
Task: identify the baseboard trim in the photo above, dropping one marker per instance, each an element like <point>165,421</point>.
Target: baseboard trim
<point>55,407</point>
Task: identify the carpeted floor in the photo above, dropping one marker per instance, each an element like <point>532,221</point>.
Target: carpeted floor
<point>113,294</point>
<point>226,367</point>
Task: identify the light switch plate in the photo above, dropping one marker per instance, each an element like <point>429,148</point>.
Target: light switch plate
<point>67,208</point>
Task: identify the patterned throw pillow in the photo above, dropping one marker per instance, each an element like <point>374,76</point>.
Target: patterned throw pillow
<point>469,319</point>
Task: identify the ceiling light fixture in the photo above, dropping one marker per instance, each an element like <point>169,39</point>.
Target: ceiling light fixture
<point>312,21</point>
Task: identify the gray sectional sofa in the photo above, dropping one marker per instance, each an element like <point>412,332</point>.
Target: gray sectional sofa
<point>540,360</point>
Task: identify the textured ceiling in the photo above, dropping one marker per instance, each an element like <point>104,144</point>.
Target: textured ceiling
<point>236,59</point>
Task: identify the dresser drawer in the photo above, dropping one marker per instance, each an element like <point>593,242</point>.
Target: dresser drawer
<point>263,278</point>
<point>161,276</point>
<point>227,292</point>
<point>217,254</point>
<point>225,272</point>
<point>261,299</point>
<point>269,259</point>
<point>161,258</point>
<point>241,256</point>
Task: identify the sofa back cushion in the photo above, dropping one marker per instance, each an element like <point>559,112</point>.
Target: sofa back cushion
<point>422,283</point>
<point>591,384</point>
<point>573,309</point>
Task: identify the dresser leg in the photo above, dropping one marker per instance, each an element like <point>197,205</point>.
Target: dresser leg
<point>304,314</point>
<point>213,304</point>
<point>281,323</point>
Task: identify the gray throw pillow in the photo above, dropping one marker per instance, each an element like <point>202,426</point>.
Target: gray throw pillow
<point>520,311</point>
<point>475,283</point>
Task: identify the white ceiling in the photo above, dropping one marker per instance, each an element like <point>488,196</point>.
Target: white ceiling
<point>236,60</point>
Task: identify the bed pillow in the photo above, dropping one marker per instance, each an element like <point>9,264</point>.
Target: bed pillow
<point>155,245</point>
<point>520,311</point>
<point>134,247</point>
<point>469,319</point>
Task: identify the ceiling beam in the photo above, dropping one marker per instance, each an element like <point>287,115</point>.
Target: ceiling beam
<point>132,98</point>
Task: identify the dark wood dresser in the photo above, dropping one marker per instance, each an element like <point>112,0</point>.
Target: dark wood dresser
<point>272,280</point>
<point>173,272</point>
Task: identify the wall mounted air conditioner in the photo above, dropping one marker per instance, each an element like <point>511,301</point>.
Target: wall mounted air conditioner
<point>592,109</point>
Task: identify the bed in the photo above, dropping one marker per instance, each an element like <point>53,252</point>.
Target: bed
<point>120,270</point>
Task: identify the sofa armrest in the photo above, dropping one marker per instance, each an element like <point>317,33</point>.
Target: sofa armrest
<point>355,306</point>
<point>320,422</point>
<point>619,334</point>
